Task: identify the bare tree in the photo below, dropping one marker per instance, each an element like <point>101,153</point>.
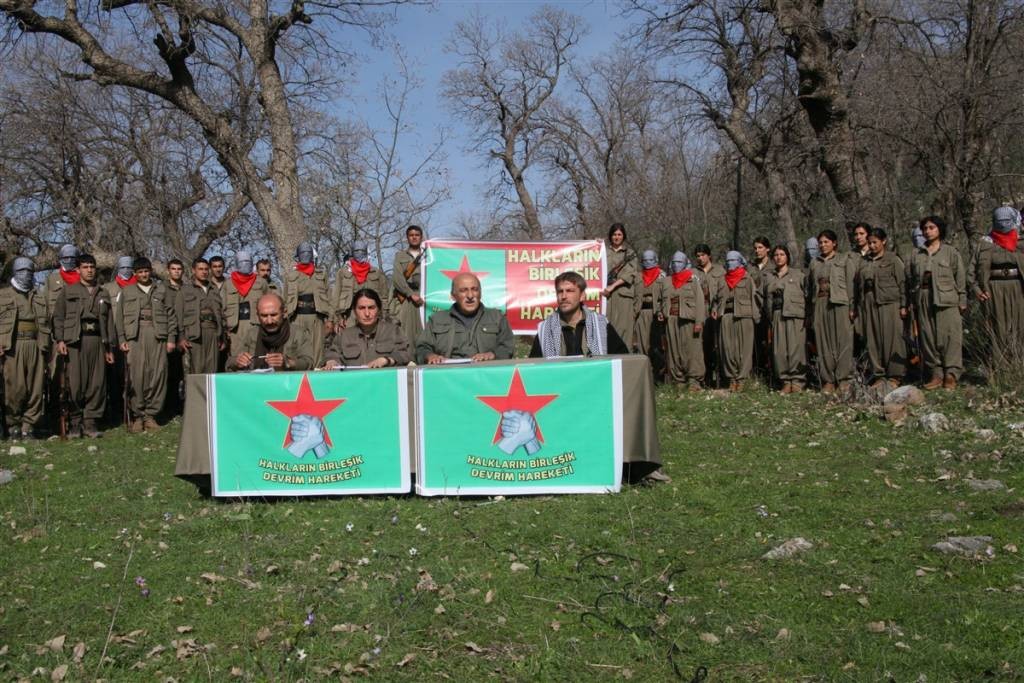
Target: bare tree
<point>501,84</point>
<point>287,49</point>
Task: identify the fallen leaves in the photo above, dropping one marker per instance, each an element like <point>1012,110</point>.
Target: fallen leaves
<point>405,660</point>
<point>56,644</point>
<point>210,577</point>
<point>518,567</point>
<point>473,647</point>
<point>710,638</point>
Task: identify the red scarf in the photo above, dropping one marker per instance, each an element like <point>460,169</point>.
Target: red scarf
<point>733,277</point>
<point>122,283</point>
<point>1007,240</point>
<point>650,275</point>
<point>243,283</point>
<point>306,268</point>
<point>360,270</point>
<point>681,278</point>
<point>70,277</point>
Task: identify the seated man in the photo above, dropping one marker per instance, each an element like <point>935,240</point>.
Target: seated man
<point>369,340</point>
<point>466,330</point>
<point>274,343</point>
<point>573,329</point>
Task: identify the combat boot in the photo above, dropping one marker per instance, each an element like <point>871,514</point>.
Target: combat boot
<point>949,383</point>
<point>149,424</point>
<point>934,383</point>
<point>135,426</point>
<point>90,429</point>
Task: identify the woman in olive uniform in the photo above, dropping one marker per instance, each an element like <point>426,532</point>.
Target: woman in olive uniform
<point>785,310</point>
<point>371,341</point>
<point>622,273</point>
<point>882,308</point>
<point>831,296</point>
<point>937,289</point>
<point>738,308</point>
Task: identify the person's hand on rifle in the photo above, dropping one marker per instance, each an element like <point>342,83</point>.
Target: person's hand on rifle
<point>221,344</point>
<point>661,317</point>
<point>416,299</point>
<point>123,346</point>
<point>697,329</point>
<point>1,352</point>
<point>62,348</point>
<point>184,345</point>
<point>171,346</point>
<point>983,296</point>
<point>108,357</point>
<point>904,313</point>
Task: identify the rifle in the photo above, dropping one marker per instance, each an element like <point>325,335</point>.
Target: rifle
<point>407,273</point>
<point>126,391</point>
<point>3,398</point>
<point>63,395</point>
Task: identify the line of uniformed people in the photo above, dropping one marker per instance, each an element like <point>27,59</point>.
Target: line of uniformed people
<point>720,324</point>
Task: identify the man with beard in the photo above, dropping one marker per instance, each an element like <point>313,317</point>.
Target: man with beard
<point>24,343</point>
<point>275,343</point>
<point>573,329</point>
<point>466,330</point>
<point>84,333</point>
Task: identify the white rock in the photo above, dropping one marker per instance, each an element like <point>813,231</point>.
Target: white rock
<point>92,449</point>
<point>985,434</point>
<point>965,545</point>
<point>906,395</point>
<point>791,547</point>
<point>934,422</point>
<point>986,485</point>
<point>17,450</point>
<point>6,477</point>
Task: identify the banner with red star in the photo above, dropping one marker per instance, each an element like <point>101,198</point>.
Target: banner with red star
<point>516,278</point>
<point>302,434</point>
<point>520,428</point>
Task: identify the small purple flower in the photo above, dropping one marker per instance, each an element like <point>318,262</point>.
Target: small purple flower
<point>145,592</point>
<point>310,618</point>
<point>140,581</point>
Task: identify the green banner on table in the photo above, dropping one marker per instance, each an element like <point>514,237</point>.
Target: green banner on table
<point>505,429</point>
<point>303,434</point>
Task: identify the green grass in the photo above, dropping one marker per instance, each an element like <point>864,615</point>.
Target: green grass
<point>615,587</point>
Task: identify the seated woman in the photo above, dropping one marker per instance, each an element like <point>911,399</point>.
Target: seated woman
<point>372,342</point>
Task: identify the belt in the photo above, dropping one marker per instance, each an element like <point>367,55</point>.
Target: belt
<point>27,326</point>
<point>146,317</point>
<point>729,308</point>
<point>208,318</point>
<point>305,307</point>
<point>243,311</point>
<point>21,334</point>
<point>646,306</point>
<point>90,327</point>
<point>869,285</point>
<point>673,307</point>
<point>1004,274</point>
<point>926,278</point>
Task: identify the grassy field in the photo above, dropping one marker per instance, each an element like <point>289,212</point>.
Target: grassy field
<point>114,569</point>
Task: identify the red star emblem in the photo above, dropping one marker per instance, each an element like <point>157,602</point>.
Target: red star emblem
<point>517,399</point>
<point>306,404</point>
<point>464,268</point>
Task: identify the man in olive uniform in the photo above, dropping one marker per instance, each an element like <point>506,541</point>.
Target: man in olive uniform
<point>175,368</point>
<point>144,320</point>
<point>83,330</point>
<point>466,330</point>
<point>684,309</point>
<point>241,293</point>
<point>405,278</point>
<point>199,313</point>
<point>217,267</point>
<point>998,282</point>
<point>66,274</point>
<point>273,343</point>
<point>307,301</point>
<point>24,343</point>
<point>357,273</point>
<point>711,277</point>
<point>124,276</point>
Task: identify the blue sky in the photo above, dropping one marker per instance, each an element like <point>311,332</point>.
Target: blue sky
<point>423,32</point>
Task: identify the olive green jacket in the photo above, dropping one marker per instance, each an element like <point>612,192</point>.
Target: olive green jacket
<point>188,306</point>
<point>345,287</point>
<point>688,300</point>
<point>355,347</point>
<point>9,317</point>
<point>948,279</point>
<point>886,275</point>
<point>791,287</point>
<point>296,283</point>
<point>445,335</point>
<point>841,273</point>
<point>74,303</point>
<point>298,349</point>
<point>129,307</point>
<point>746,299</point>
<point>233,300</point>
